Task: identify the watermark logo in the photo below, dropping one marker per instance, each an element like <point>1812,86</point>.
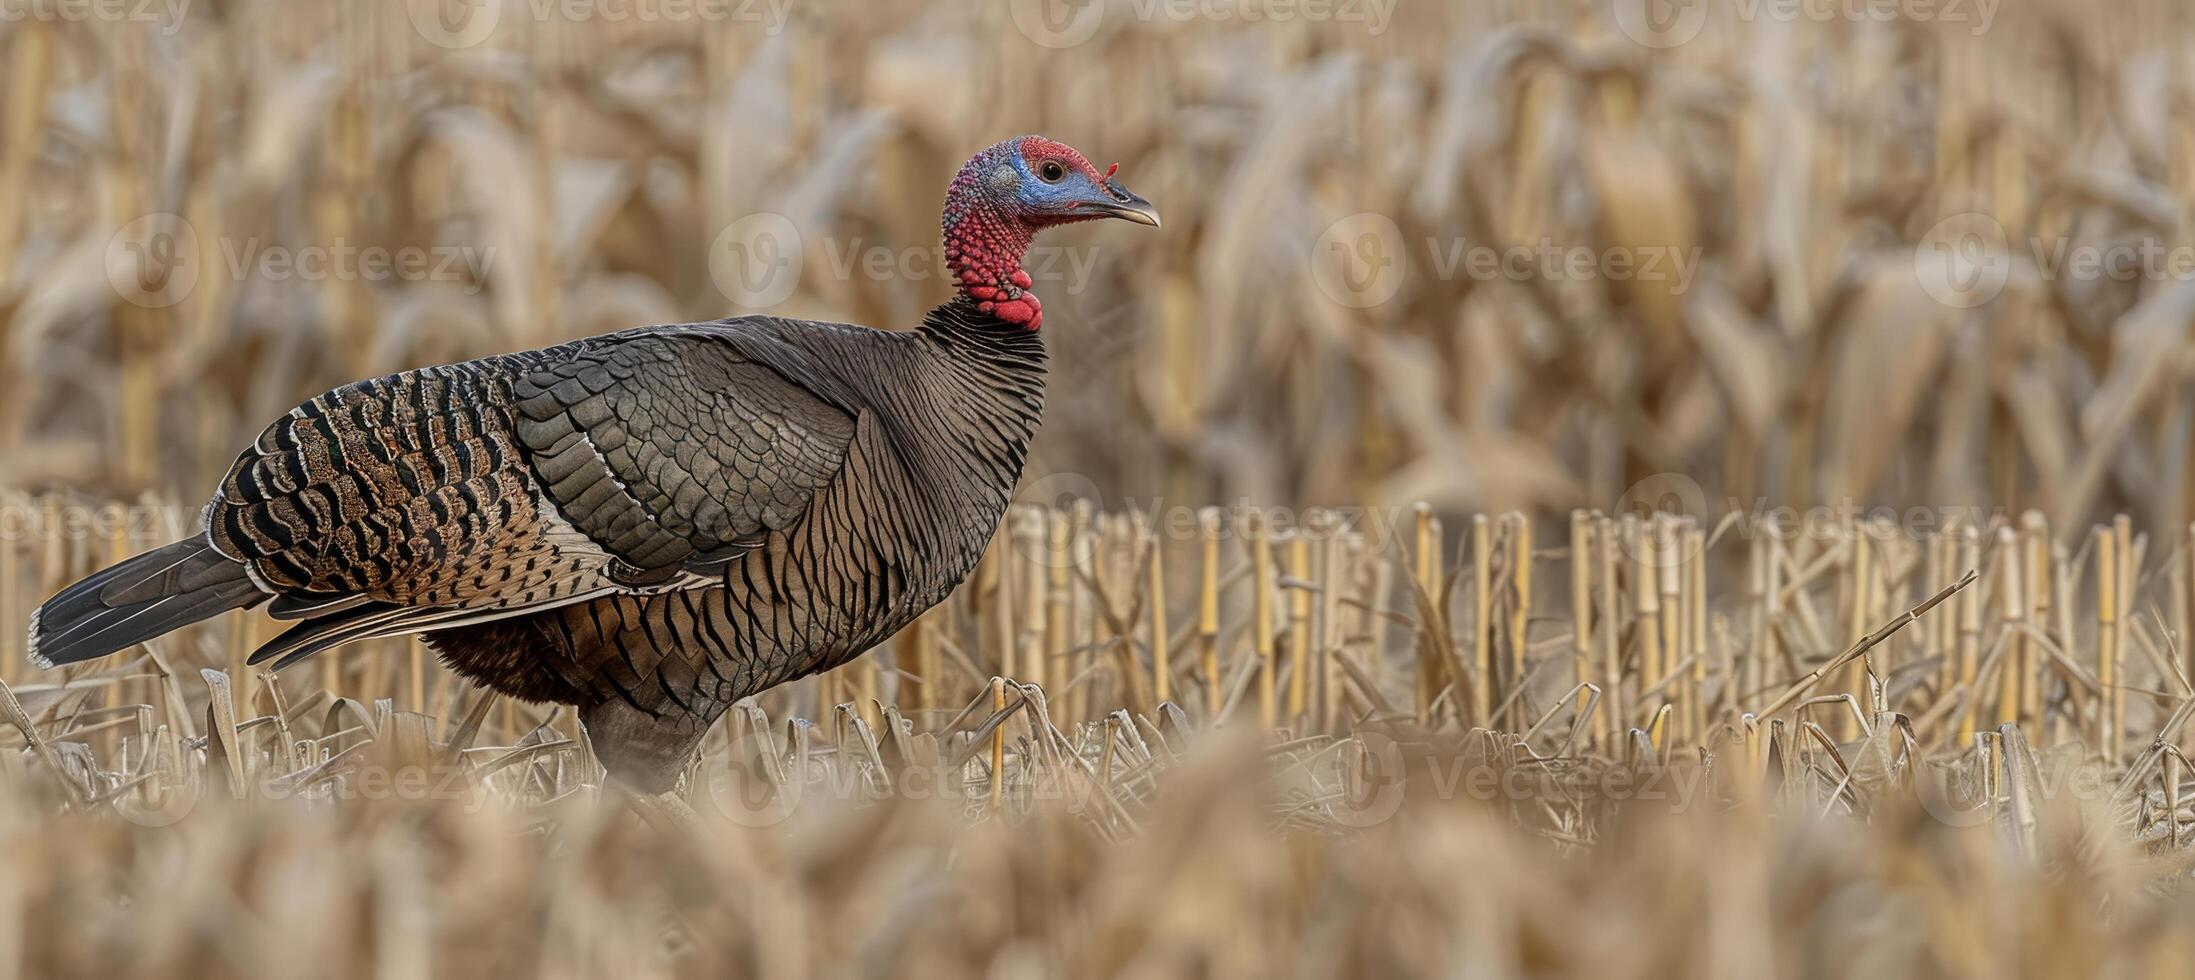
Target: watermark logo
<point>1057,23</point>
<point>454,23</point>
<point>1548,260</point>
<point>167,795</point>
<point>153,261</point>
<point>77,521</point>
<point>156,261</point>
<point>166,13</point>
<point>753,785</point>
<point>756,260</point>
<point>1662,493</point>
<point>1060,492</point>
<point>1964,260</point>
<point>1066,23</point>
<point>1941,795</point>
<point>1373,775</point>
<point>465,23</point>
<point>1661,24</point>
<point>1967,259</point>
<point>1362,260</point>
<point>341,260</point>
<point>1358,261</point>
<point>761,782</point>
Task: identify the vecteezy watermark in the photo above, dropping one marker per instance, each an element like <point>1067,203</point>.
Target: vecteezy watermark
<point>2057,779</point>
<point>69,520</point>
<point>465,265</point>
<point>1670,23</point>
<point>1679,496</point>
<point>1359,261</point>
<point>1963,261</point>
<point>156,261</point>
<point>1362,260</point>
<point>1661,23</point>
<point>153,261</point>
<point>170,794</point>
<point>1066,23</point>
<point>454,23</point>
<point>1966,260</point>
<point>1359,782</point>
<point>1375,776</point>
<point>758,262</point>
<point>1673,494</point>
<point>762,782</point>
<point>166,13</point>
<point>465,23</point>
<point>1376,528</point>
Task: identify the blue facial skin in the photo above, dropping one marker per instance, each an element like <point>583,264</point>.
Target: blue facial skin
<point>1048,197</point>
<point>1075,196</point>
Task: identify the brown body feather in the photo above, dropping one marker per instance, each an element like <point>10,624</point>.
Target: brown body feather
<point>649,525</point>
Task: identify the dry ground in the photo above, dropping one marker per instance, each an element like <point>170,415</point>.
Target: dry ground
<point>1343,752</point>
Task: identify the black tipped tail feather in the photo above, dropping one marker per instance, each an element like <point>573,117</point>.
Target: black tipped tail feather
<point>169,588</point>
<point>126,604</point>
<point>343,622</point>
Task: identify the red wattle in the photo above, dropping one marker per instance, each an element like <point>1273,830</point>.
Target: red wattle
<point>986,238</point>
<point>1025,311</point>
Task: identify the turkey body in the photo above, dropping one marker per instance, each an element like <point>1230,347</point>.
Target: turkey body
<point>649,525</point>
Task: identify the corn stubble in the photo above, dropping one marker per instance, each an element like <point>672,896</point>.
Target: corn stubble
<point>1723,744</point>
<point>1531,740</point>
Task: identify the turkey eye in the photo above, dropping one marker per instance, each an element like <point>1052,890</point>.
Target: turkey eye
<point>1051,171</point>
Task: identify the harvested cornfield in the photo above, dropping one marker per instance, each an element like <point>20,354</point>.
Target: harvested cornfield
<point>1217,741</point>
<point>1801,397</point>
<point>1494,256</point>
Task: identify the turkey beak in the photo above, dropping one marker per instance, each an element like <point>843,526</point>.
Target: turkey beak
<point>1126,205</point>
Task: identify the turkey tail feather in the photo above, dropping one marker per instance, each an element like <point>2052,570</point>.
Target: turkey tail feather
<point>338,623</point>
<point>352,622</point>
<point>128,603</point>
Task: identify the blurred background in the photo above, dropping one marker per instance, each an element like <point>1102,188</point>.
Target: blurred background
<point>1492,255</point>
<point>1507,257</point>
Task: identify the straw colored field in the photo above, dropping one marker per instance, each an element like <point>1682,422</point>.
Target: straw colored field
<point>1826,257</point>
<point>1212,742</point>
<point>1524,256</point>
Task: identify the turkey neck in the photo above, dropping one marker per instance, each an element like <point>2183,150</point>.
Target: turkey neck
<point>960,330</point>
<point>975,420</point>
<point>999,367</point>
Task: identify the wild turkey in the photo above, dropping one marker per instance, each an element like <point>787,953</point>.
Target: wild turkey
<point>649,524</point>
